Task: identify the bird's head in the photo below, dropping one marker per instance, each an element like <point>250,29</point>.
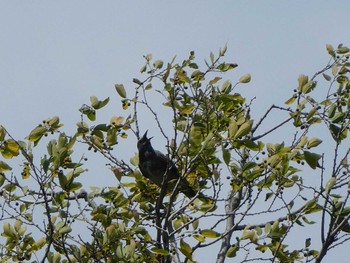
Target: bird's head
<point>144,144</point>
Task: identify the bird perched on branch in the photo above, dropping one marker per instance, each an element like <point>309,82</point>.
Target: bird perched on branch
<point>154,165</point>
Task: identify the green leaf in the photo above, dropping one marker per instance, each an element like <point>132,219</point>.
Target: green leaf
<point>232,251</point>
<point>65,230</point>
<point>226,87</point>
<point>245,78</point>
<point>143,68</point>
<point>101,127</point>
<point>195,136</point>
<point>248,234</point>
<point>330,50</point>
<point>121,90</point>
<point>208,140</point>
<point>329,185</point>
<point>290,101</point>
<point>193,65</point>
<point>10,149</point>
<point>267,228</point>
<point>308,87</point>
<point>327,77</point>
<point>91,115</point>
<point>232,128</point>
<point>268,196</point>
<point>195,224</point>
<point>302,80</point>
<point>136,81</point>
<point>226,155</point>
<point>148,57</point>
<point>185,249</point>
<point>226,66</point>
<point>116,121</point>
<point>209,233</point>
<point>312,159</point>
<point>82,127</point>
<point>160,251</point>
<point>258,230</point>
<point>311,203</point>
<point>74,186</point>
<point>339,117</point>
<point>312,206</point>
<point>168,87</point>
<point>63,180</point>
<point>342,50</point>
<point>2,133</point>
<point>337,133</point>
<point>10,187</point>
<point>111,137</point>
<point>334,70</point>
<point>307,242</point>
<point>135,160</point>
<point>4,167</point>
<point>54,121</point>
<point>2,179</point>
<point>39,243</point>
<point>223,51</point>
<point>98,104</point>
<point>9,231</point>
<point>307,221</point>
<point>158,64</point>
<point>244,129</point>
<point>177,223</point>
<point>214,81</point>
<point>311,113</point>
<point>56,258</point>
<point>313,142</point>
<point>212,57</point>
<point>199,238</point>
<point>197,75</point>
<point>88,111</point>
<point>36,134</point>
<point>188,109</point>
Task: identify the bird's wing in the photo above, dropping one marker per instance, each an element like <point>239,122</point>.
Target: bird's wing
<point>167,164</point>
<point>174,175</point>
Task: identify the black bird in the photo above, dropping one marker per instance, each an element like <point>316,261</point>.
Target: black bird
<point>154,165</point>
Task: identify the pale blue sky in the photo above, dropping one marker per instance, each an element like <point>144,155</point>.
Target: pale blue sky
<point>54,55</point>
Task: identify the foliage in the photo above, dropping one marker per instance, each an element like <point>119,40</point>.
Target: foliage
<point>259,192</point>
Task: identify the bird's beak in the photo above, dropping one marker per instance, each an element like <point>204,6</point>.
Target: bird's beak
<point>144,137</point>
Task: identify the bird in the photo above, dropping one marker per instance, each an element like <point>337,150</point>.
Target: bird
<point>154,165</point>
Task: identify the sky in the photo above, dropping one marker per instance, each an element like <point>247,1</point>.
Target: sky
<point>55,54</point>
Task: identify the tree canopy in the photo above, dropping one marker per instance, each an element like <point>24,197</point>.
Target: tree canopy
<point>268,179</point>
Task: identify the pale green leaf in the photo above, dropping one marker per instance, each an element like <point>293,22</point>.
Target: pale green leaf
<point>232,251</point>
<point>4,167</point>
<point>37,133</point>
<point>209,233</point>
<point>160,251</point>
<point>245,78</point>
<point>329,185</point>
<point>158,64</point>
<point>121,90</point>
<point>185,249</point>
<point>313,142</point>
<point>2,133</point>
